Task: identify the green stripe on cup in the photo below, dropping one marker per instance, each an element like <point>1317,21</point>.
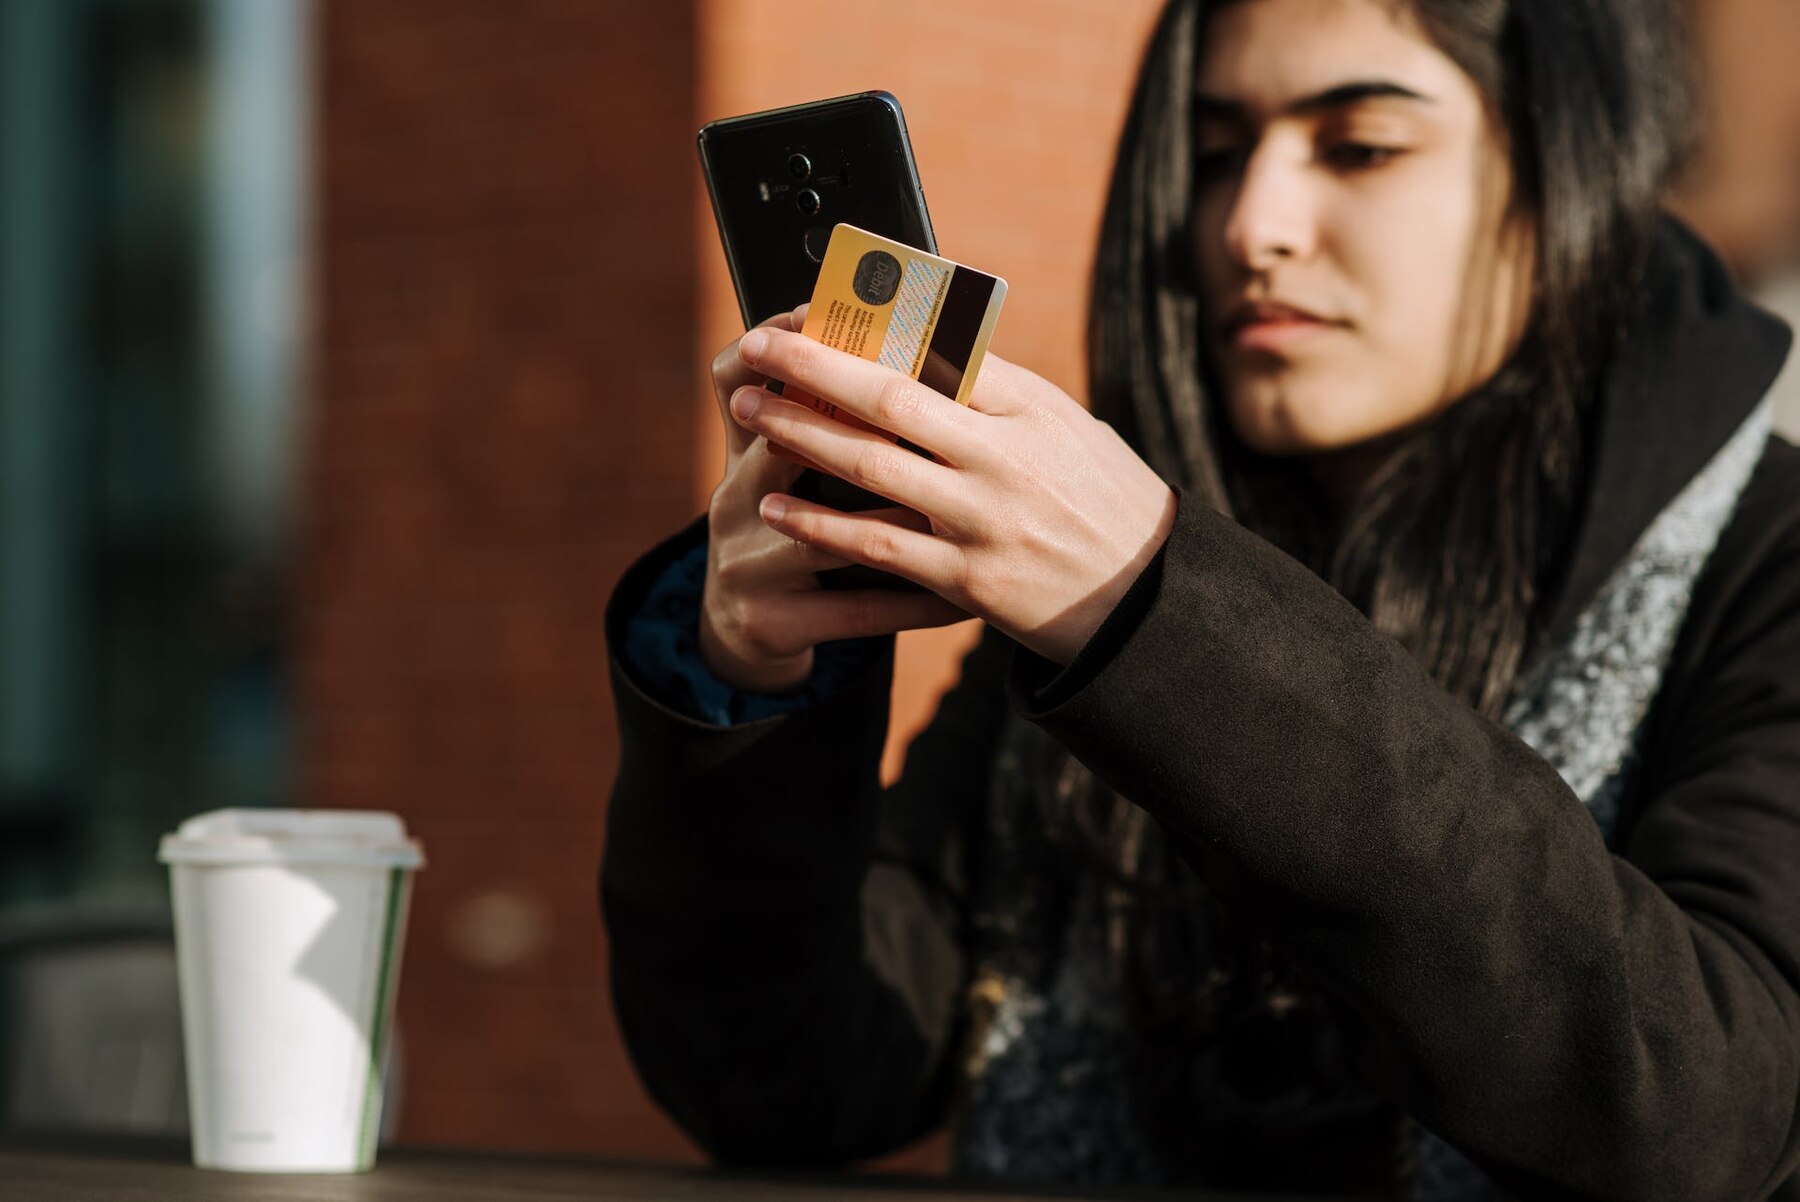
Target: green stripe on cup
<point>378,1032</point>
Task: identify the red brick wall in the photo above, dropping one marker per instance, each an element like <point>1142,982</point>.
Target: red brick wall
<point>517,287</point>
<point>505,289</point>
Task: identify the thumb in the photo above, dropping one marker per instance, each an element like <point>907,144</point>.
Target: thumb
<point>730,373</point>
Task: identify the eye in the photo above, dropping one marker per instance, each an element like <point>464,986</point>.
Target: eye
<point>1214,162</point>
<point>1358,156</point>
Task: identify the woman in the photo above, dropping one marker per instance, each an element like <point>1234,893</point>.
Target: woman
<point>1426,827</point>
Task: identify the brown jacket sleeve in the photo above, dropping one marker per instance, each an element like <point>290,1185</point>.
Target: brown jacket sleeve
<point>1583,1024</point>
<point>786,939</point>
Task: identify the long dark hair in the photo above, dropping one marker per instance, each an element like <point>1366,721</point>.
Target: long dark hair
<point>1456,543</point>
<point>1458,537</point>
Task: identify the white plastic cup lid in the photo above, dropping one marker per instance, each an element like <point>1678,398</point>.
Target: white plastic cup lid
<point>358,838</point>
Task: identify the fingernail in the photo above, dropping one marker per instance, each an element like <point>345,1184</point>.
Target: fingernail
<point>752,345</point>
<point>773,508</point>
<point>744,403</point>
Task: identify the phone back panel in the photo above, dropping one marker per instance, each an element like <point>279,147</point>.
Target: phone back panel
<point>780,180</point>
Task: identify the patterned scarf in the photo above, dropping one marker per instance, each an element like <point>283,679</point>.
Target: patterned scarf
<point>1231,1069</point>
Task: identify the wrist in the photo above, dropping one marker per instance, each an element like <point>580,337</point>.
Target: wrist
<point>1062,644</point>
<point>747,672</point>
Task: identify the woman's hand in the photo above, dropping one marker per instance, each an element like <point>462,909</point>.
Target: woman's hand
<point>1040,516</point>
<point>763,610</point>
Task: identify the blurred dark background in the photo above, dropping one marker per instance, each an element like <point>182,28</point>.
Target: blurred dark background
<point>149,347</point>
<point>349,351</point>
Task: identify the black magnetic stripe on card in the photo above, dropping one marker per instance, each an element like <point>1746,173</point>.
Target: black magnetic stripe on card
<point>959,322</point>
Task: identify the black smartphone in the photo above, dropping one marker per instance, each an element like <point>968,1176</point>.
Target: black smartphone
<point>779,181</point>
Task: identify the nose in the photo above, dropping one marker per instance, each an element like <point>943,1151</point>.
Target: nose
<point>1273,216</point>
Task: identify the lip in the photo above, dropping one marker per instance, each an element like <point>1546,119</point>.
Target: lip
<point>1272,325</point>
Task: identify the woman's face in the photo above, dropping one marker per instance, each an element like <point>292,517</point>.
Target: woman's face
<point>1359,267</point>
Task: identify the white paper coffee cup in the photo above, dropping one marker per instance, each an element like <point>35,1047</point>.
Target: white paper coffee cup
<point>288,930</point>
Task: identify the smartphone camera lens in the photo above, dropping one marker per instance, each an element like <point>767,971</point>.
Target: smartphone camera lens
<point>800,167</point>
<point>808,200</point>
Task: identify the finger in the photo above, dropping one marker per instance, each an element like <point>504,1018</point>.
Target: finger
<point>878,395</point>
<point>793,457</point>
<point>864,459</point>
<point>730,373</point>
<point>777,556</point>
<point>753,474</point>
<point>879,542</point>
<point>782,557</point>
<point>765,469</point>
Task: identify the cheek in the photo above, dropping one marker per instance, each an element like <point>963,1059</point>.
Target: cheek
<point>1412,274</point>
<point>1407,262</point>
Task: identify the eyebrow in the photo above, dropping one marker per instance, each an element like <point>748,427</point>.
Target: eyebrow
<point>1341,96</point>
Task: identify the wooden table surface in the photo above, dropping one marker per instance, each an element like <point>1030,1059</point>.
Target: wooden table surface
<point>86,1169</point>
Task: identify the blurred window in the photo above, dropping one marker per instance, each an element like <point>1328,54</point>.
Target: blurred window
<point>152,185</point>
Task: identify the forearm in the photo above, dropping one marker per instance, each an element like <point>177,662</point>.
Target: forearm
<point>1542,1003</point>
<point>733,886</point>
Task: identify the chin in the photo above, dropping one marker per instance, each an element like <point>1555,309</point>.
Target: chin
<point>1281,426</point>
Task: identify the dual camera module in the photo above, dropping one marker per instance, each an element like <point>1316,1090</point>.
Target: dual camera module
<point>807,199</point>
<point>801,168</point>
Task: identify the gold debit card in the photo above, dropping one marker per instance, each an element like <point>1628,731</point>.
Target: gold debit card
<point>902,308</point>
